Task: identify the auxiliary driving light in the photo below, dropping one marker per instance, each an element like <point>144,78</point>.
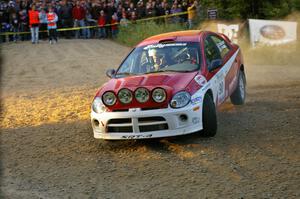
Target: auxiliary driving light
<point>159,95</point>
<point>125,96</point>
<point>142,95</point>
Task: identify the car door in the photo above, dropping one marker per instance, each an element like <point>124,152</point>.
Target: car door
<point>216,75</point>
<point>229,59</point>
<point>225,75</point>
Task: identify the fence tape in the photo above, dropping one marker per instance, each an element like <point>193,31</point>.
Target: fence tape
<point>89,27</point>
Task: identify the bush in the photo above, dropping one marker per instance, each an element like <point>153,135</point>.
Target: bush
<point>135,33</point>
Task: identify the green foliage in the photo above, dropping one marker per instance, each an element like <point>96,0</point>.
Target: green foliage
<point>243,9</point>
<point>135,33</point>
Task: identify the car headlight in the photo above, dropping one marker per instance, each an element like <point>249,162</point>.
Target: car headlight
<point>180,99</point>
<point>125,96</point>
<point>141,95</point>
<point>159,95</point>
<point>98,106</point>
<point>109,98</point>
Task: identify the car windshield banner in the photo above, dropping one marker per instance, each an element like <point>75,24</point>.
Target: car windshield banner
<point>268,32</point>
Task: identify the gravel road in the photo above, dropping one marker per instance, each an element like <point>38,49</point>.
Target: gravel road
<point>48,150</point>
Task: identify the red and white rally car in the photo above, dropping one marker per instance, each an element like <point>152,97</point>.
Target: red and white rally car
<point>170,85</point>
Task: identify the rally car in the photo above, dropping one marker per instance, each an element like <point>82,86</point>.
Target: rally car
<point>170,84</point>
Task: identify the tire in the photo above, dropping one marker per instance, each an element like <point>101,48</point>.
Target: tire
<point>209,117</point>
<point>238,96</point>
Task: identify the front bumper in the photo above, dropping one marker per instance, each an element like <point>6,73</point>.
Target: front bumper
<point>144,124</point>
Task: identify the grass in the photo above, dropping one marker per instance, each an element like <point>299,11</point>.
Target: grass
<point>135,33</point>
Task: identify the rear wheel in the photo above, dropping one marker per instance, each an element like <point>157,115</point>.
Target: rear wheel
<point>209,117</point>
<point>239,95</point>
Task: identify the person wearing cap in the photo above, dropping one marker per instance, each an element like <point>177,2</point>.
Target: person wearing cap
<point>34,22</point>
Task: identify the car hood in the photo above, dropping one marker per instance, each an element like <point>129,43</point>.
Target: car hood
<point>168,80</point>
<point>172,82</point>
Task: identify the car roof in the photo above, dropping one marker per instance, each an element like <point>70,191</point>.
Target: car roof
<point>179,36</point>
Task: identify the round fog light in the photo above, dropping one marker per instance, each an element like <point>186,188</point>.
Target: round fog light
<point>96,122</point>
<point>183,117</point>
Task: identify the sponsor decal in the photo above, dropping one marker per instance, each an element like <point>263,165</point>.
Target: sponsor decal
<point>196,100</point>
<point>231,31</point>
<point>273,32</point>
<point>136,136</point>
<point>212,13</point>
<point>196,120</point>
<point>197,108</point>
<point>164,45</point>
<point>201,80</point>
<point>221,45</point>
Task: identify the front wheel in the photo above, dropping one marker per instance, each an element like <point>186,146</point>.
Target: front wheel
<point>209,117</point>
<point>238,97</point>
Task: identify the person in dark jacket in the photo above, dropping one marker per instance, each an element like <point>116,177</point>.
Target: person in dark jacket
<point>65,17</point>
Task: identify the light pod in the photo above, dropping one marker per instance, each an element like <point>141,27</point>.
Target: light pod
<point>159,95</point>
<point>109,98</point>
<point>125,96</point>
<point>142,95</point>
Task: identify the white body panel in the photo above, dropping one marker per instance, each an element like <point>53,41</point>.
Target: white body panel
<point>171,116</point>
<point>176,127</point>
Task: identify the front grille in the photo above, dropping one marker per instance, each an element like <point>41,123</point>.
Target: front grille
<point>119,121</point>
<point>144,124</point>
<point>120,125</point>
<point>151,119</point>
<point>157,127</point>
<point>119,129</point>
<point>147,124</point>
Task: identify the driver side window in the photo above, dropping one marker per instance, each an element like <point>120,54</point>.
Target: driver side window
<point>211,51</point>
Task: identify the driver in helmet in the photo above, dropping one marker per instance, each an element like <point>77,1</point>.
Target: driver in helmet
<point>159,59</point>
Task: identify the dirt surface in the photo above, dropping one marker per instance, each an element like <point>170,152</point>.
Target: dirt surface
<point>48,149</point>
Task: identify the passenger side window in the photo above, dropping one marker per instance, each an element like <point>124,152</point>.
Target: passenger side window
<point>221,44</point>
<point>211,51</point>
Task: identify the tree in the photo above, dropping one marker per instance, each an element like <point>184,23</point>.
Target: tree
<point>244,9</point>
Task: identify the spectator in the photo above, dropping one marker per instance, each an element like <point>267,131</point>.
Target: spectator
<point>52,19</point>
<point>101,24</point>
<point>34,24</point>
<point>65,16</point>
<point>43,22</point>
<point>75,13</point>
<point>15,26</point>
<point>174,10</point>
<point>141,10</point>
<point>23,23</point>
<point>131,9</point>
<point>78,14</point>
<point>114,26</point>
<point>192,14</point>
<point>124,21</point>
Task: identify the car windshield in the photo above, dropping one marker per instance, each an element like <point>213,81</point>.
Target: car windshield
<point>163,57</point>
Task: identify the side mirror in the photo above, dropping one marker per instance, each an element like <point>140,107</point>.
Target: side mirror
<point>216,63</point>
<point>110,73</point>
